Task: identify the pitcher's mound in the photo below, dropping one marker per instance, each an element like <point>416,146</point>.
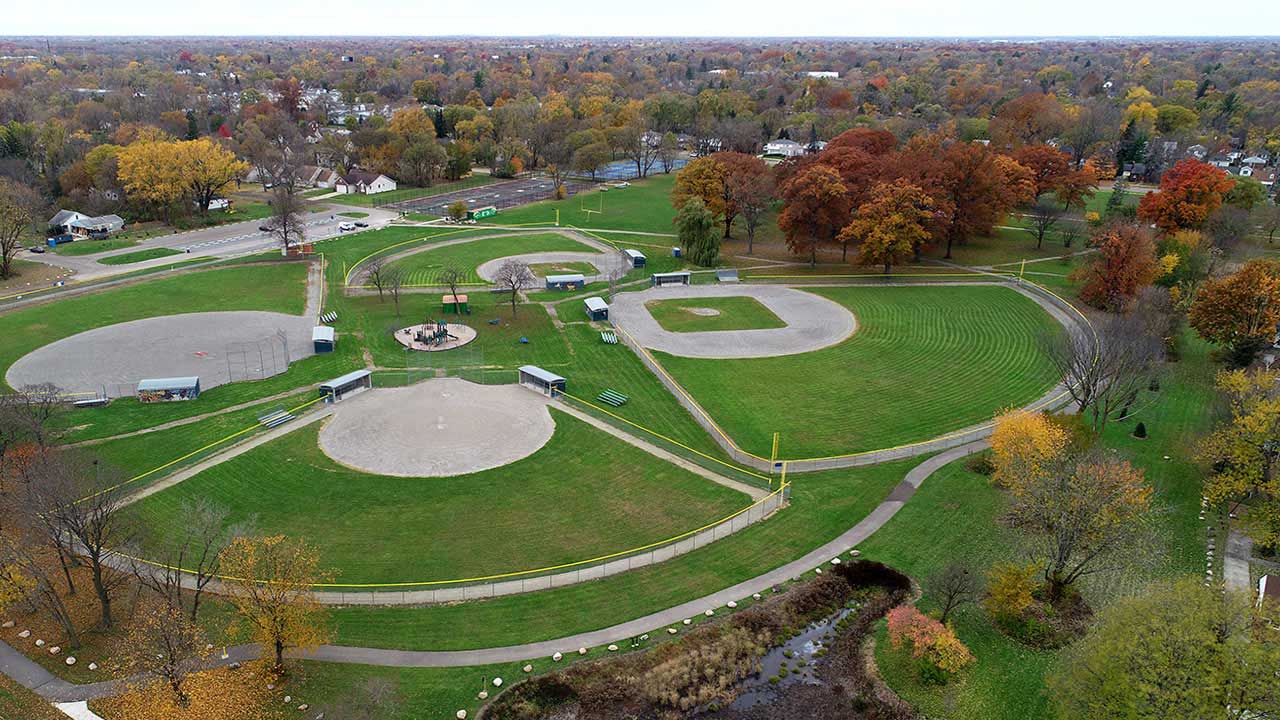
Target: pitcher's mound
<point>441,427</point>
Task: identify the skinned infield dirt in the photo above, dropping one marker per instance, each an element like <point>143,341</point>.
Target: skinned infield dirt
<point>115,357</point>
<point>813,322</point>
<point>441,427</point>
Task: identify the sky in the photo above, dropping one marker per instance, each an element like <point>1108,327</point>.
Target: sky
<point>690,18</point>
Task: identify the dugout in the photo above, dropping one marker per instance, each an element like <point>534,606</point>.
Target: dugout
<point>535,378</point>
<point>323,339</point>
<point>566,282</point>
<point>597,309</point>
<point>351,383</point>
<point>455,304</point>
<point>669,278</point>
<point>637,258</point>
<point>169,389</point>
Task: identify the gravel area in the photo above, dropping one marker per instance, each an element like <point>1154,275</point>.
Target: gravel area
<point>115,357</point>
<point>603,262</point>
<point>813,322</point>
<point>441,427</point>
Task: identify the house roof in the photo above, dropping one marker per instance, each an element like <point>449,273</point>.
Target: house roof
<point>357,177</point>
<point>65,216</point>
<point>95,222</point>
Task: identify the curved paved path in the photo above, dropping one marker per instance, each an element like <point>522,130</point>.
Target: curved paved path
<point>813,322</point>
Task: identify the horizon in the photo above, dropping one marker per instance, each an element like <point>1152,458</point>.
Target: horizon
<point>661,19</point>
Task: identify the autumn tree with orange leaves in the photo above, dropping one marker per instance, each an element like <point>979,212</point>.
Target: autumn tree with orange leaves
<point>1125,263</point>
<point>269,581</point>
<point>1048,165</point>
<point>891,227</point>
<point>1239,312</point>
<point>1189,193</point>
<point>817,207</point>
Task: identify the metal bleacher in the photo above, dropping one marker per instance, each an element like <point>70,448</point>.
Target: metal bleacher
<point>612,397</point>
<point>277,417</point>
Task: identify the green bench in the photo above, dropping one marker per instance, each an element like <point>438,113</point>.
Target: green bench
<point>613,397</point>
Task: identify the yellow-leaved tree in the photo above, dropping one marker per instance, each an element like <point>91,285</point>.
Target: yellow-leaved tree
<point>1023,446</point>
<point>1245,453</point>
<point>163,173</point>
<point>269,580</point>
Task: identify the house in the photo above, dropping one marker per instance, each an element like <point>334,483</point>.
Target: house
<point>1220,161</point>
<point>1255,161</point>
<point>313,176</point>
<point>1197,151</point>
<point>785,148</point>
<point>97,226</point>
<point>60,224</point>
<point>1269,590</point>
<point>822,74</point>
<point>363,183</point>
<point>1267,178</point>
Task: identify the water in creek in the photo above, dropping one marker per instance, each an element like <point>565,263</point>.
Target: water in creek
<point>798,656</point>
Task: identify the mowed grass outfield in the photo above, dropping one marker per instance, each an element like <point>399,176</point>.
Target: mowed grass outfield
<point>424,268</point>
<point>924,361</point>
<point>584,494</point>
<point>732,313</point>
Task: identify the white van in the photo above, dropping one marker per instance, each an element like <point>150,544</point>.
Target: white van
<point>346,227</point>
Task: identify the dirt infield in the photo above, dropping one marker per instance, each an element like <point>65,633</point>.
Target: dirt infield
<point>219,347</point>
<point>441,427</point>
<point>605,262</point>
<point>812,322</point>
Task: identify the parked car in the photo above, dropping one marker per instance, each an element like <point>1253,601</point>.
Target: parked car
<point>346,227</point>
<point>36,248</point>
<point>361,223</point>
<point>264,228</point>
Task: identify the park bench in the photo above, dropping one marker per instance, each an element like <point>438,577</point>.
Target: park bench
<point>613,397</point>
<point>279,416</point>
<point>608,337</point>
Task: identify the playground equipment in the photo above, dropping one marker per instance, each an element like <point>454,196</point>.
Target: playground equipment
<point>434,337</point>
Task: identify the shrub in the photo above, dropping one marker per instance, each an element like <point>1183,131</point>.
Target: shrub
<point>980,464</point>
<point>1009,589</point>
<point>931,642</point>
<point>1023,445</point>
<point>1140,431</point>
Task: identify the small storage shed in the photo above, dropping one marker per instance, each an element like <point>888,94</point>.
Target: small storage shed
<point>339,387</point>
<point>675,252</point>
<point>637,258</point>
<point>454,304</point>
<point>323,338</point>
<point>535,378</point>
<point>566,282</point>
<point>669,278</point>
<point>597,309</point>
<point>169,389</point>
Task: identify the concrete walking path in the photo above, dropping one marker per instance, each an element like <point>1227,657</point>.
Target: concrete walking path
<point>1235,562</point>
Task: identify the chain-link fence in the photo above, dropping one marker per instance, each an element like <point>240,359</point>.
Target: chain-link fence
<point>257,359</point>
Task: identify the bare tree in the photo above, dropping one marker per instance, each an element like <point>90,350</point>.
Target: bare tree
<point>24,569</point>
<point>287,219</point>
<point>1070,233</point>
<point>1269,219</point>
<point>1043,216</point>
<point>88,500</point>
<point>30,415</point>
<point>376,274</point>
<point>451,276</point>
<point>163,642</point>
<point>376,699</point>
<point>1105,374</point>
<point>395,277</point>
<point>196,553</point>
<point>514,276</point>
<point>952,586</point>
<point>18,205</point>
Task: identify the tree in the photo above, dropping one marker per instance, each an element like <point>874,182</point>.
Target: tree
<point>1043,216</point>
<point>18,205</point>
<point>816,207</point>
<point>1174,651</point>
<point>451,276</point>
<point>1076,187</point>
<point>1189,193</point>
<point>1125,263</point>
<point>422,162</point>
<point>1269,220</point>
<point>1244,454</point>
<point>1028,119</point>
<point>207,170</point>
<point>513,276</point>
<point>377,698</point>
<point>668,151</point>
<point>29,416</point>
<point>287,225</point>
<point>891,227</point>
<point>1010,589</point>
<point>930,641</point>
<point>696,228</point>
<point>457,210</point>
<point>951,586</point>
<point>87,500</point>
<point>1105,370</point>
<point>1024,446</point>
<point>1082,516</point>
<point>1245,194</point>
<point>1241,311</point>
<point>1048,166</point>
<point>704,178</point>
<point>375,272</point>
<point>590,158</point>
<point>395,280</point>
<point>752,193</point>
<point>269,581</point>
<point>165,643</point>
<point>195,556</point>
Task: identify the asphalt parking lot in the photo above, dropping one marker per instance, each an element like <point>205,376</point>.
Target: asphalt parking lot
<point>502,195</point>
